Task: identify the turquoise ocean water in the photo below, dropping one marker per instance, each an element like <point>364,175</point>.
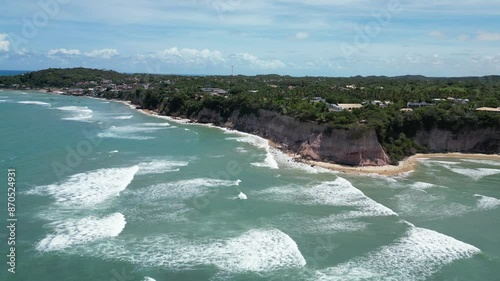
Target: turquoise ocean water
<point>12,72</point>
<point>107,193</point>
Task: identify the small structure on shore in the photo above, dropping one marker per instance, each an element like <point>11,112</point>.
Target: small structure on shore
<point>489,109</point>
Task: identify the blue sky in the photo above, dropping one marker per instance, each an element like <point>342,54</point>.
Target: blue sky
<point>294,37</point>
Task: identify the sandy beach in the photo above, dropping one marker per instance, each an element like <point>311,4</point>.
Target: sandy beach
<point>405,166</point>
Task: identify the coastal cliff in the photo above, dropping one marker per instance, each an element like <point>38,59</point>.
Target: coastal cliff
<point>296,112</point>
<point>354,147</point>
<point>470,141</point>
<point>358,146</point>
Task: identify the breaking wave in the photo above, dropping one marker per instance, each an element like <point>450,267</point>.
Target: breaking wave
<point>73,232</point>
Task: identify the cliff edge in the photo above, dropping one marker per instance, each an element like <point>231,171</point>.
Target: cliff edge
<point>353,147</point>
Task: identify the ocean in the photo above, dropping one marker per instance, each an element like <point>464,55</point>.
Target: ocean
<point>104,192</point>
<point>12,72</point>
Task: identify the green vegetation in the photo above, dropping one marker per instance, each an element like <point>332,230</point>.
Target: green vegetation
<point>184,96</point>
<point>62,78</point>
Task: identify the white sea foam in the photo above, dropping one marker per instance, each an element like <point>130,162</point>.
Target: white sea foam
<point>418,202</point>
<point>114,151</point>
<point>125,117</point>
<point>384,178</point>
<point>133,132</point>
<point>258,250</point>
<point>73,232</point>
<point>417,256</point>
<point>35,103</point>
<point>3,101</point>
<point>487,203</point>
<point>217,156</point>
<point>159,211</point>
<point>486,162</point>
<point>241,150</point>
<point>133,129</point>
<point>285,160</point>
<point>89,189</point>
<point>403,175</point>
<point>113,135</point>
<point>259,142</point>
<point>242,196</point>
<point>164,124</point>
<point>269,162</point>
<point>476,174</point>
<point>422,185</point>
<point>79,113</point>
<point>148,279</point>
<point>166,202</point>
<point>322,225</point>
<point>274,157</point>
<point>250,139</point>
<point>160,167</point>
<point>442,162</point>
<point>184,189</point>
<point>337,193</point>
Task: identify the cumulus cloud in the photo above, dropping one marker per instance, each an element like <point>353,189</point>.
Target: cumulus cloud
<point>260,63</point>
<point>488,36</point>
<point>436,34</point>
<point>194,57</point>
<point>301,36</point>
<point>189,56</point>
<point>487,59</point>
<point>103,53</point>
<point>66,52</point>
<point>4,43</point>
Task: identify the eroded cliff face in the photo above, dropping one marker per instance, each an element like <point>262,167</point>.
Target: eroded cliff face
<point>467,141</point>
<point>357,147</point>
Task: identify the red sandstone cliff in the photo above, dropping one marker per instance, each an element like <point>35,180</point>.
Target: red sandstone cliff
<point>356,147</point>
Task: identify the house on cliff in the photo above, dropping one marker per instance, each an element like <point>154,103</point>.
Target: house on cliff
<point>418,104</point>
<point>345,106</point>
<point>489,109</point>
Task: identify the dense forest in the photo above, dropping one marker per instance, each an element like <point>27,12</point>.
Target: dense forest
<point>293,96</point>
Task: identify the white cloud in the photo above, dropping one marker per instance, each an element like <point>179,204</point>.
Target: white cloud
<point>194,57</point>
<point>436,34</point>
<point>63,52</point>
<point>260,63</point>
<point>463,37</point>
<point>4,43</point>
<point>488,36</point>
<point>487,59</point>
<point>301,35</point>
<point>186,55</point>
<point>103,54</point>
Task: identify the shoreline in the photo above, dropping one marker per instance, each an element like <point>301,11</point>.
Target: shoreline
<point>408,165</point>
<point>405,166</point>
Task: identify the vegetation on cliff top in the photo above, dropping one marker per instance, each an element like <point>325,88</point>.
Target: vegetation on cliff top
<point>188,95</point>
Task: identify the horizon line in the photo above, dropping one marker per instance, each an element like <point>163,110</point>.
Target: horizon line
<point>253,75</point>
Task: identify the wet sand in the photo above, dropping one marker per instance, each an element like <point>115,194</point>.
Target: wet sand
<point>405,166</point>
